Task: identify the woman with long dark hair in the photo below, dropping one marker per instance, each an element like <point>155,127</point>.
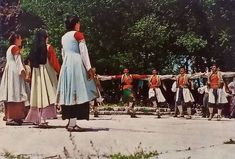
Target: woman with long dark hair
<point>43,92</point>
<point>13,91</point>
<point>76,86</point>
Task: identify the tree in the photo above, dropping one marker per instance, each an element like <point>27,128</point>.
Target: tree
<point>145,33</point>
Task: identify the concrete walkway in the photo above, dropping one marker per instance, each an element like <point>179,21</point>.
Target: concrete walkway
<point>172,137</point>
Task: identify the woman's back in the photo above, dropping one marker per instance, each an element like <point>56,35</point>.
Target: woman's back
<point>9,55</point>
<point>69,43</point>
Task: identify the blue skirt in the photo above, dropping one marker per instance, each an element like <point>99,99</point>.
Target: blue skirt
<point>74,87</point>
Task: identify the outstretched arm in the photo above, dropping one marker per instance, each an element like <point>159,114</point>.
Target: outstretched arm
<point>104,78</point>
<point>228,74</point>
<point>163,77</point>
<point>198,75</point>
<point>136,76</point>
<point>116,77</point>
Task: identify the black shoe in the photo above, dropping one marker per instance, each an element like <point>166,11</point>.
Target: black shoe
<point>13,123</point>
<point>19,121</point>
<point>133,116</point>
<point>4,118</point>
<point>75,129</point>
<point>96,115</point>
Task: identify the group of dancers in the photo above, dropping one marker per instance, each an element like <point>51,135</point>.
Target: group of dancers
<point>34,83</point>
<point>32,90</point>
<point>215,90</point>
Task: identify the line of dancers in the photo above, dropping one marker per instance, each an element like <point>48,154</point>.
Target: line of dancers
<point>32,94</point>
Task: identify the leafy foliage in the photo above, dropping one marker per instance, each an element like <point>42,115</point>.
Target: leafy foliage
<point>142,34</point>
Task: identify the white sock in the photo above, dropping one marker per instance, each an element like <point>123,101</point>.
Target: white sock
<point>211,110</point>
<point>154,104</point>
<point>72,122</point>
<point>130,105</point>
<point>180,107</point>
<point>189,111</point>
<point>43,120</point>
<point>92,103</point>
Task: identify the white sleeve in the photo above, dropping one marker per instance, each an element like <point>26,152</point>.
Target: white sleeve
<point>163,77</point>
<point>62,53</point>
<point>196,75</point>
<point>147,78</point>
<point>19,63</point>
<point>230,85</point>
<point>104,78</point>
<point>173,88</point>
<point>84,55</point>
<point>228,74</point>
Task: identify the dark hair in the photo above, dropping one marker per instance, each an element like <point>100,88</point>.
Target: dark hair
<point>38,54</point>
<point>26,61</point>
<point>12,38</point>
<point>71,21</point>
<point>214,64</point>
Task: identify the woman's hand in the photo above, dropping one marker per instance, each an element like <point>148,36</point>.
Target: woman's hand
<point>23,74</point>
<point>91,74</point>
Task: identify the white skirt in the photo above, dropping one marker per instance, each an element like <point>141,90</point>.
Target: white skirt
<point>159,95</point>
<point>43,93</point>
<point>12,86</point>
<point>221,97</point>
<point>188,97</point>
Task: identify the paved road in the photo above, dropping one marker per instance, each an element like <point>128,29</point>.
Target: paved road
<point>172,137</point>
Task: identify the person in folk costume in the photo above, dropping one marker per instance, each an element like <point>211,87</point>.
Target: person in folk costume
<point>99,100</point>
<point>174,89</point>
<point>76,86</point>
<point>13,89</point>
<point>155,93</point>
<point>28,74</point>
<point>127,88</point>
<point>204,90</point>
<point>231,87</point>
<point>43,93</point>
<point>217,96</point>
<point>183,94</point>
<point>226,107</point>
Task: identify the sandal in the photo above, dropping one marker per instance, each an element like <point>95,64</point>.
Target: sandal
<point>219,117</point>
<point>180,116</point>
<point>96,114</point>
<point>43,125</point>
<point>13,123</point>
<point>189,117</point>
<point>4,118</point>
<point>210,117</point>
<point>75,129</point>
<point>133,116</point>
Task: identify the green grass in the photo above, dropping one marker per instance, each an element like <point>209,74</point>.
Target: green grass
<point>8,155</point>
<point>138,155</point>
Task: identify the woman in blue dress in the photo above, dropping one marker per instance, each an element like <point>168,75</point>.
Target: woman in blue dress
<point>76,86</point>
